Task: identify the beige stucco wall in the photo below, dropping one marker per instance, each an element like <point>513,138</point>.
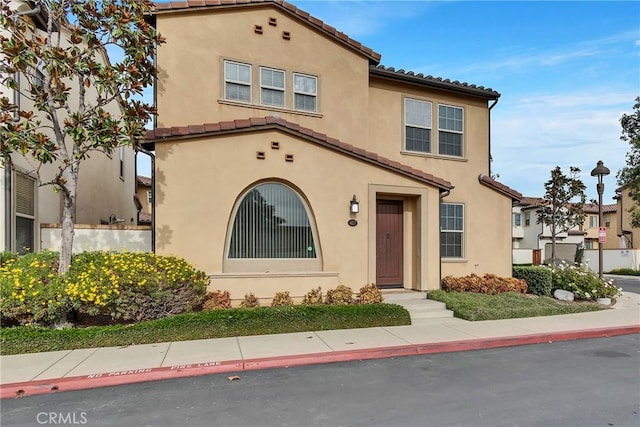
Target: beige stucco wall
<point>190,87</point>
<point>198,182</point>
<point>624,217</point>
<point>227,166</point>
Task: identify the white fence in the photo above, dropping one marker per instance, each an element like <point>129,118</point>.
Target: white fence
<point>611,258</point>
<point>130,238</point>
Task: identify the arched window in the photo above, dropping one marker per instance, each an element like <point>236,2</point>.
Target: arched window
<point>272,222</point>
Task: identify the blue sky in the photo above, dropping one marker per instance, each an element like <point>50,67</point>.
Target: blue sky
<point>567,71</point>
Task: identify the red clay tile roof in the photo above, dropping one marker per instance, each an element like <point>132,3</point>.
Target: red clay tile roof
<point>435,82</point>
<point>265,123</point>
<point>593,209</point>
<point>499,187</point>
<point>198,5</point>
<point>143,180</point>
<point>530,202</point>
<point>144,218</point>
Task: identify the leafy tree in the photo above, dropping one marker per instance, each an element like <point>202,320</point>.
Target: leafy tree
<point>68,87</point>
<point>629,176</point>
<point>558,211</point>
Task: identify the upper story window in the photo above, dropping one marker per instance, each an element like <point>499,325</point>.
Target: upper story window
<point>237,81</point>
<point>305,92</point>
<point>593,221</point>
<point>527,219</point>
<point>417,124</point>
<point>451,230</point>
<point>272,87</point>
<point>121,161</point>
<point>450,130</point>
<point>517,219</point>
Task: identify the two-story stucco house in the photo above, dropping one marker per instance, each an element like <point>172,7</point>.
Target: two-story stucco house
<point>288,158</point>
<point>106,184</point>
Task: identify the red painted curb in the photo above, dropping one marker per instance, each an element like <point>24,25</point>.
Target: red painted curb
<point>32,388</point>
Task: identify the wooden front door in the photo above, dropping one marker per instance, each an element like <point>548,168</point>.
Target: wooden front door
<point>389,232</point>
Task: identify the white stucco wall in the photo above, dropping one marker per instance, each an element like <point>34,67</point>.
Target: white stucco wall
<point>120,238</point>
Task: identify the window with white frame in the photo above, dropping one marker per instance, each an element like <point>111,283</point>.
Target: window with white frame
<point>305,92</point>
<point>417,125</point>
<point>593,221</point>
<point>121,161</point>
<point>271,221</point>
<point>517,219</point>
<point>25,211</point>
<point>237,81</point>
<point>527,219</point>
<point>451,230</point>
<point>149,198</point>
<point>272,87</point>
<point>450,130</point>
<point>588,244</point>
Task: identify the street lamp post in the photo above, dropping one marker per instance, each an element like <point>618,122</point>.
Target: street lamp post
<point>600,170</point>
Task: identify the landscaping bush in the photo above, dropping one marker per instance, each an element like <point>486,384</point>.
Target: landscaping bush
<point>281,298</point>
<point>539,279</point>
<point>370,294</point>
<point>31,290</point>
<point>341,295</point>
<point>625,271</point>
<point>7,257</point>
<point>488,284</point>
<point>584,283</point>
<point>314,296</point>
<point>250,301</point>
<point>217,300</point>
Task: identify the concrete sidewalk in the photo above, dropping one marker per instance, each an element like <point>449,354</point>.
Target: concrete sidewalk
<point>38,373</point>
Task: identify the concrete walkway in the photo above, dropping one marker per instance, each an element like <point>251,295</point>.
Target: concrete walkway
<point>38,373</point>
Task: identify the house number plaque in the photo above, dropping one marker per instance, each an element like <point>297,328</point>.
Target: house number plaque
<point>352,222</point>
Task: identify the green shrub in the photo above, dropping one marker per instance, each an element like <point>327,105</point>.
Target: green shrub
<point>539,279</point>
<point>341,295</point>
<point>250,301</point>
<point>134,286</point>
<point>31,290</point>
<point>370,294</point>
<point>7,257</point>
<point>281,299</point>
<point>217,300</point>
<point>583,282</point>
<point>314,296</point>
<point>488,284</point>
<point>625,271</point>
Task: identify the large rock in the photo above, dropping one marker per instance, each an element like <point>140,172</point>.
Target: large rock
<point>563,295</point>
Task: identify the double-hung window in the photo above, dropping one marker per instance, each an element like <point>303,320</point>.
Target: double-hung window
<point>451,230</point>
<point>450,130</point>
<point>237,81</point>
<point>593,221</point>
<point>517,219</point>
<point>305,92</point>
<point>25,193</point>
<point>272,87</point>
<point>417,125</point>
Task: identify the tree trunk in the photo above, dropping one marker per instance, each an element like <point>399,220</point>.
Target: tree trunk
<point>68,218</point>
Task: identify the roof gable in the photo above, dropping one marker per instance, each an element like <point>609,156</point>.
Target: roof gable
<point>288,8</point>
<point>266,123</point>
<point>499,187</point>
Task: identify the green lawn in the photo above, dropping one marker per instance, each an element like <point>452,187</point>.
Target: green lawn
<point>510,305</point>
<point>203,325</point>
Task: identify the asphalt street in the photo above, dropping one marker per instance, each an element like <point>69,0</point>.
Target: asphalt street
<point>591,382</point>
<point>628,284</point>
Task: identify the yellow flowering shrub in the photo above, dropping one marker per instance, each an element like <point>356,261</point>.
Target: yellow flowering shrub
<point>31,291</point>
<point>134,285</point>
<point>127,286</point>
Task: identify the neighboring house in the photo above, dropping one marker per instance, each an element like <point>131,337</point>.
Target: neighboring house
<point>287,158</point>
<point>528,233</point>
<point>629,236</point>
<point>592,228</point>
<point>105,187</point>
<point>144,196</point>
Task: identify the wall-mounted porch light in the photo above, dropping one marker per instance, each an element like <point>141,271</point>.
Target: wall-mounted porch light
<point>355,205</point>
